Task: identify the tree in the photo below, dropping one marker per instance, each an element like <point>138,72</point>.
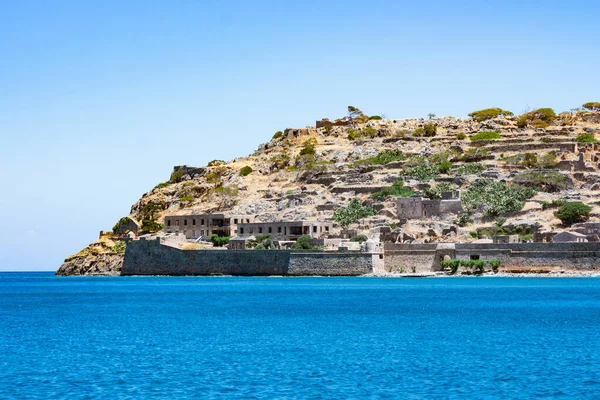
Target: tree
<point>303,243</point>
<point>592,106</point>
<point>431,115</point>
<point>489,113</point>
<point>571,213</point>
<point>354,112</point>
<point>226,194</point>
<point>352,213</point>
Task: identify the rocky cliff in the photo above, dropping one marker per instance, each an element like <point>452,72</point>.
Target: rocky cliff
<point>309,173</point>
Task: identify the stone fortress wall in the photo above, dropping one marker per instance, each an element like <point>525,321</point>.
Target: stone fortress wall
<point>150,257</point>
<point>421,258</point>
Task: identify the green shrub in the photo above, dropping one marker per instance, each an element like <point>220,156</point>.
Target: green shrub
<point>176,176</point>
<point>247,170</point>
<point>436,192</point>
<point>546,181</point>
<point>150,226</point>
<point>422,172</point>
<point>486,135</point>
<point>383,157</point>
<point>473,265</point>
<point>496,197</point>
<point>461,136</point>
<point>359,238</point>
<point>573,212</point>
<point>215,163</point>
<point>476,154</point>
<point>303,243</point>
<point>354,134</point>
<point>586,138</point>
<point>352,213</point>
<point>559,202</point>
<point>397,189</point>
<point>592,106</point>
<point>375,118</point>
<point>489,113</point>
<point>547,161</point>
<point>189,198</point>
<point>219,241</point>
<point>469,169</point>
<point>370,132</point>
<point>162,185</point>
<point>277,135</point>
<point>539,118</point>
<point>281,161</point>
<point>418,132</point>
<point>429,130</point>
<point>119,248</point>
<point>464,219</point>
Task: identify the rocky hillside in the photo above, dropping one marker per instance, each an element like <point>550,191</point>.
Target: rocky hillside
<point>514,174</point>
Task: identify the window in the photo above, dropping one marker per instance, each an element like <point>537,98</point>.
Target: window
<point>177,223</point>
<point>326,229</point>
<point>169,222</point>
<point>235,220</point>
<point>202,232</point>
<point>259,230</point>
<point>278,229</point>
<point>314,229</point>
<point>185,222</point>
<point>474,256</point>
<point>194,221</point>
<point>202,221</point>
<point>270,229</point>
<point>241,231</point>
<point>247,221</point>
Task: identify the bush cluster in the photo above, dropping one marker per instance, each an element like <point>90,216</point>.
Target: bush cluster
<point>352,213</point>
<point>540,118</point>
<point>486,135</point>
<point>397,189</point>
<point>573,212</point>
<point>359,238</point>
<point>247,170</point>
<point>219,241</point>
<point>370,132</point>
<point>277,135</point>
<point>586,138</point>
<point>383,157</point>
<point>428,130</point>
<point>495,197</point>
<point>545,181</point>
<point>303,243</point>
<point>489,113</point>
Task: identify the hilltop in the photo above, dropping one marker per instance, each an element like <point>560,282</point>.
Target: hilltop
<point>514,173</point>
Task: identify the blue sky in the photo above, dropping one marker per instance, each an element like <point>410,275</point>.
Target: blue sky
<point>99,100</point>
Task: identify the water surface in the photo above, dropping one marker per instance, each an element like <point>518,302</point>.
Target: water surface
<point>232,337</point>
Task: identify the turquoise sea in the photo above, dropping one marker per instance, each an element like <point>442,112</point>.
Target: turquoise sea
<point>306,338</point>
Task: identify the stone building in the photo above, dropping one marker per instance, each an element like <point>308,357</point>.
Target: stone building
<point>285,231</point>
<point>506,239</point>
<point>201,226</point>
<point>419,207</point>
<point>569,237</point>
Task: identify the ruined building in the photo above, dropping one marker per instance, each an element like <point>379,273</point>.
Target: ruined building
<point>419,207</point>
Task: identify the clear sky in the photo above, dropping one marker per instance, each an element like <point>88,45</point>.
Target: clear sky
<point>100,99</point>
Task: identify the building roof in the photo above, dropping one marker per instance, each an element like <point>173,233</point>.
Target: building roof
<point>577,234</point>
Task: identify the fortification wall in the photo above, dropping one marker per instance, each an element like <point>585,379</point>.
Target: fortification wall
<point>330,263</point>
<point>152,258</point>
<point>409,258</point>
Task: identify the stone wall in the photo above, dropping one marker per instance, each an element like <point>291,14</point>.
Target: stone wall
<point>409,258</point>
<point>152,258</point>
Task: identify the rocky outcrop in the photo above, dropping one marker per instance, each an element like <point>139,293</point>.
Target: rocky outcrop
<point>101,264</point>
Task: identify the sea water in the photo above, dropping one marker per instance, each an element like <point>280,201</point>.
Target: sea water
<point>309,338</point>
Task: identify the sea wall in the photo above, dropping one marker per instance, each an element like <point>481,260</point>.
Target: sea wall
<point>421,258</point>
<point>151,258</point>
